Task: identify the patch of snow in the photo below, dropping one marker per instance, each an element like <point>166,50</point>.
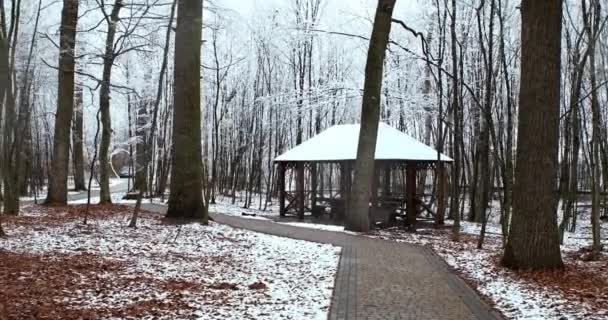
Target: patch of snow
<point>318,226</point>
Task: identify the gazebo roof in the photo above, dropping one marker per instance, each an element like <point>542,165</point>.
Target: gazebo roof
<point>339,143</point>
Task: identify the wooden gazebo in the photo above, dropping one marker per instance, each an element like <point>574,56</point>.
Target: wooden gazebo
<point>307,183</point>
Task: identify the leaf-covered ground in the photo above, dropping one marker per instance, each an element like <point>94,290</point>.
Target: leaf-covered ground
<point>53,267</point>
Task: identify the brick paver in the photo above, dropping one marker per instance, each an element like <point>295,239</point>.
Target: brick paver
<point>380,279</point>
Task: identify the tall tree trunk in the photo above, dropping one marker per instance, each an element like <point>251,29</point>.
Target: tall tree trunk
<point>2,233</point>
<point>186,197</point>
<point>485,189</point>
<point>141,147</point>
<point>6,89</point>
<point>456,115</point>
<point>533,239</point>
<point>9,162</point>
<point>357,217</point>
<point>508,153</point>
<point>105,195</point>
<point>592,28</point>
<point>78,141</point>
<point>58,176</point>
<point>573,135</point>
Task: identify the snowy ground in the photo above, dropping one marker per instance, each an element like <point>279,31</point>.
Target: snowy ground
<point>41,195</point>
<point>578,292</point>
<point>52,264</point>
<point>224,205</point>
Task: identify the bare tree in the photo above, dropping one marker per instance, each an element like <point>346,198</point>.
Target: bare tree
<point>147,143</point>
<point>104,101</point>
<point>456,116</point>
<point>58,176</point>
<point>10,128</point>
<point>533,239</point>
<point>186,195</point>
<point>358,216</point>
<point>592,28</point>
<point>78,142</point>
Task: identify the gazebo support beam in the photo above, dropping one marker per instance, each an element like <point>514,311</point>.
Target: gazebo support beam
<point>375,185</point>
<point>300,189</point>
<point>282,168</point>
<point>387,180</point>
<point>313,181</point>
<point>410,195</point>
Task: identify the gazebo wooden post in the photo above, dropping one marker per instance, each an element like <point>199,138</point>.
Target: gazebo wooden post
<point>387,180</point>
<point>313,181</point>
<point>410,194</point>
<point>345,184</point>
<point>282,169</point>
<point>374,189</point>
<point>342,167</point>
<point>300,189</point>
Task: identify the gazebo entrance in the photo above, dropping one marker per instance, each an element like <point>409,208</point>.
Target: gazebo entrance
<point>316,176</point>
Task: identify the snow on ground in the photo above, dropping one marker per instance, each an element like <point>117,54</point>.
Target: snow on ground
<point>159,270</point>
<point>116,198</point>
<point>41,194</point>
<point>113,182</point>
<point>223,204</point>
<point>319,226</point>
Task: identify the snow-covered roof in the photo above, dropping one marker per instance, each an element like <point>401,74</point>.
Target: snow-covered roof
<point>340,143</point>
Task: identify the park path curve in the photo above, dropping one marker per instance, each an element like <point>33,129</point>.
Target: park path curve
<point>380,279</point>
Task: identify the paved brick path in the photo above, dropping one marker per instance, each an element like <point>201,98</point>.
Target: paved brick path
<point>381,279</point>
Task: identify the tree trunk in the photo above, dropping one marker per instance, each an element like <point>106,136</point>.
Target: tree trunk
<point>592,27</point>
<point>141,148</point>
<point>58,176</point>
<point>2,233</point>
<point>456,115</point>
<point>78,141</point>
<point>533,239</point>
<point>186,197</point>
<point>9,161</point>
<point>485,189</point>
<point>508,161</point>
<point>105,195</point>
<point>357,217</point>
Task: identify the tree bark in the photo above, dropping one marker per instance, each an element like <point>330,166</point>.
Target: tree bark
<point>2,233</point>
<point>105,195</point>
<point>533,240</point>
<point>508,153</point>
<point>78,141</point>
<point>58,176</point>
<point>141,148</point>
<point>9,161</point>
<point>456,115</point>
<point>186,197</point>
<point>592,27</point>
<point>358,215</point>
